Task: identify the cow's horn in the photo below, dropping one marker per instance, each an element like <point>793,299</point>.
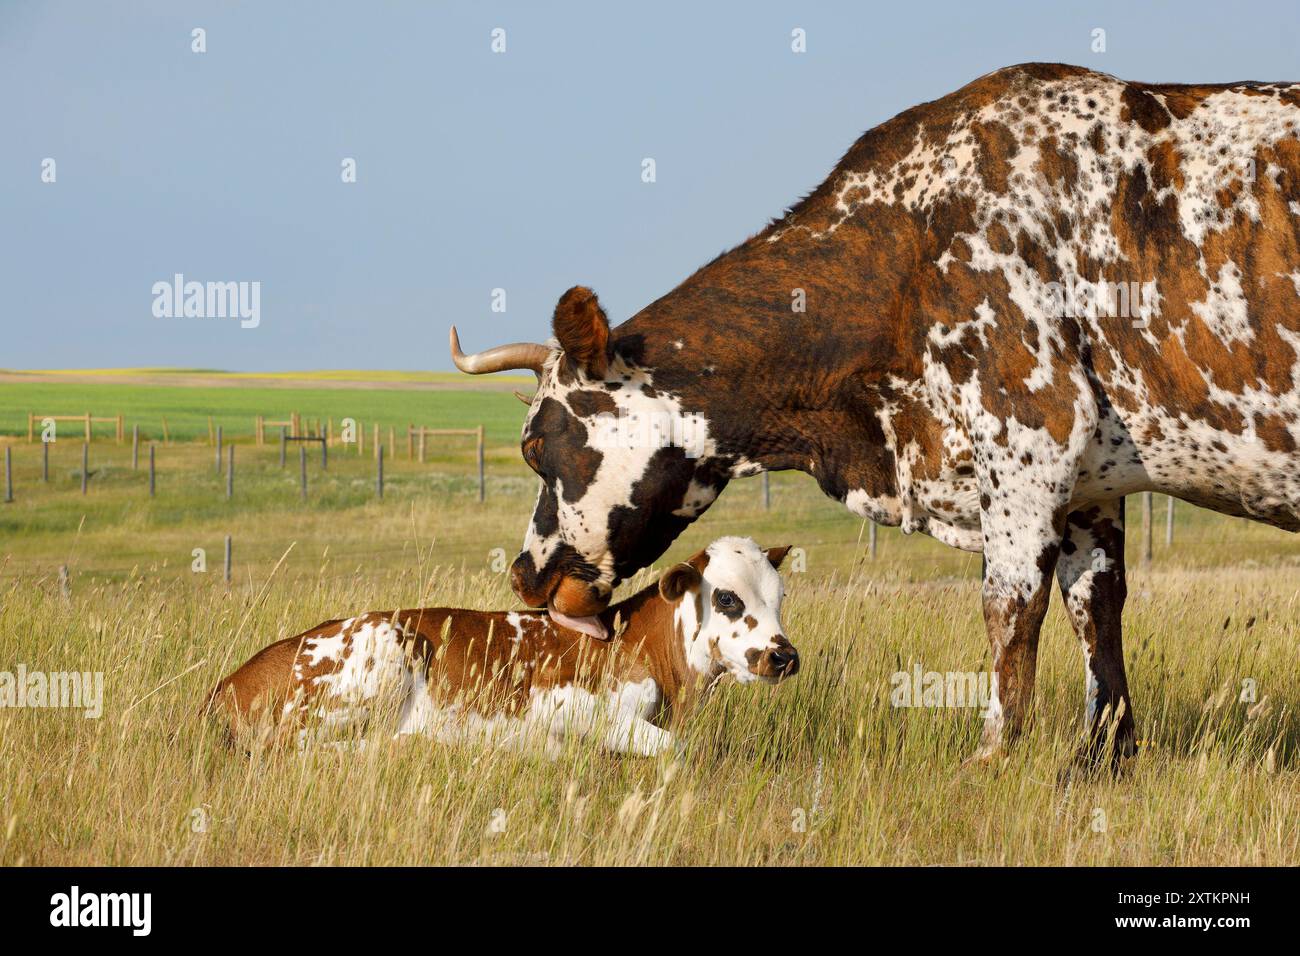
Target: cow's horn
<point>519,355</point>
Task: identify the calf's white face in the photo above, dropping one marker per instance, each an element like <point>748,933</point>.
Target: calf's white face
<point>729,611</point>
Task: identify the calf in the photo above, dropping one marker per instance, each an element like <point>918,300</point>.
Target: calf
<point>518,678</point>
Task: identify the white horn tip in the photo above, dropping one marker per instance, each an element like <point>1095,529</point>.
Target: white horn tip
<point>457,356</point>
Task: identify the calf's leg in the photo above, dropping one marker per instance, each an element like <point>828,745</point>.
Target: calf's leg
<point>628,734</point>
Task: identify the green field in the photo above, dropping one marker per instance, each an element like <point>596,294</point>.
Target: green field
<point>234,407</point>
<point>319,375</point>
<point>819,770</point>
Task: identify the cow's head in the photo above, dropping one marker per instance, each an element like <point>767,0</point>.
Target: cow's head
<point>624,469</point>
<point>728,611</point>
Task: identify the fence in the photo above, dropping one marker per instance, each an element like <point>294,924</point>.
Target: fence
<point>323,435</point>
<point>117,420</point>
<point>412,431</point>
<point>298,427</point>
<point>260,424</point>
<point>416,442</point>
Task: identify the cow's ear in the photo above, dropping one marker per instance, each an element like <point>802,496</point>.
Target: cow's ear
<point>777,555</point>
<point>677,580</point>
<point>583,331</point>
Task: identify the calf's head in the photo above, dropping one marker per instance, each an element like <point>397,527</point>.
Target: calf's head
<point>728,611</point>
<point>623,467</point>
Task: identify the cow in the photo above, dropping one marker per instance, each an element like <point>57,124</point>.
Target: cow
<point>937,335</point>
<point>517,679</point>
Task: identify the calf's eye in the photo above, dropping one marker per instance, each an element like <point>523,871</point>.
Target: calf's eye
<point>728,604</point>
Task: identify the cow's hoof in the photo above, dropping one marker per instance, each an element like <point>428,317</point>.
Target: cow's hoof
<point>986,757</point>
<point>1097,759</point>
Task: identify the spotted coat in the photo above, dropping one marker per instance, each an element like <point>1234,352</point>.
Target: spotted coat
<point>517,679</point>
<point>1000,313</point>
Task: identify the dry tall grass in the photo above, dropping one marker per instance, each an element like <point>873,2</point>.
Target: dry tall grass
<point>818,770</point>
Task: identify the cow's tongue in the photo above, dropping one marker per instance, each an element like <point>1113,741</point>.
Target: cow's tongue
<point>589,625</point>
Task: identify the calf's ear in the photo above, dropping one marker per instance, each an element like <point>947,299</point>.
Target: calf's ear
<point>777,555</point>
<point>582,330</point>
<point>677,580</point>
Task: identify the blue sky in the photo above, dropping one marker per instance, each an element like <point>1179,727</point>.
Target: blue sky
<point>475,170</point>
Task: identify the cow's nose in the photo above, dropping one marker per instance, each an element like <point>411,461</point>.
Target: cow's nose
<point>524,581</point>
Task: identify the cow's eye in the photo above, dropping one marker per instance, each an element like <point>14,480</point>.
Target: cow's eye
<point>726,599</point>
<point>533,452</point>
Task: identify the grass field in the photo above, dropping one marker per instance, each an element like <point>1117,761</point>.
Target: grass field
<point>235,403</point>
<point>821,769</point>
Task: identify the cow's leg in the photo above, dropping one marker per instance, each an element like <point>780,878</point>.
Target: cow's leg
<point>1015,599</point>
<point>1091,574</point>
<point>1022,518</point>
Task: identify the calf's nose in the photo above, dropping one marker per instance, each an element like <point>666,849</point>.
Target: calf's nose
<point>782,660</point>
<point>785,661</point>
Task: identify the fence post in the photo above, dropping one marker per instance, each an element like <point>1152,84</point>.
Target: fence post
<point>121,428</point>
<point>379,471</point>
<point>376,439</point>
<point>135,447</point>
<point>410,443</point>
<point>324,455</point>
<point>230,475</point>
<point>87,428</point>
<point>1146,527</point>
<point>871,539</point>
<point>767,492</point>
<point>392,436</point>
<point>151,484</point>
<point>45,461</point>
<point>228,549</point>
<point>167,439</point>
<point>1169,521</point>
<point>31,428</point>
<point>64,586</point>
<point>85,465</point>
<point>282,444</point>
<point>211,437</point>
<point>218,449</point>
<point>9,476</point>
<point>482,483</point>
<point>302,465</point>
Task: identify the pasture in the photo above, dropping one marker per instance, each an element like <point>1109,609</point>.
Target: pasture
<point>187,399</point>
<point>821,769</point>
